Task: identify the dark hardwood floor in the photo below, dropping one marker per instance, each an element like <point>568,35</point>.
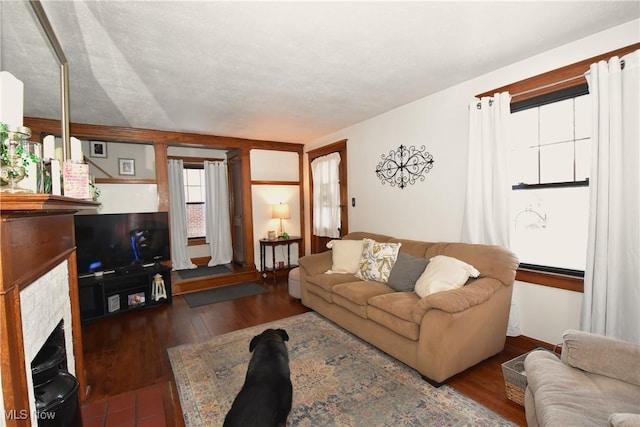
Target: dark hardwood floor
<point>128,352</point>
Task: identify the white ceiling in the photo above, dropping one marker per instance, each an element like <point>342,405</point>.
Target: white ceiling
<point>282,71</point>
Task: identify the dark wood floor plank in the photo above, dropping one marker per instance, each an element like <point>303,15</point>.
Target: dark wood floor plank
<point>129,351</point>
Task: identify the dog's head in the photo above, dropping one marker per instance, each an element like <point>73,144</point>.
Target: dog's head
<point>279,334</point>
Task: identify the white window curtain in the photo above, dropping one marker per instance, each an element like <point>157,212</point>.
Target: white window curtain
<point>486,211</point>
<point>180,259</point>
<point>218,223</point>
<point>611,291</point>
<point>326,195</point>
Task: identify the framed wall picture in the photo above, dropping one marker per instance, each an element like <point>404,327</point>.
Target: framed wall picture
<point>126,166</point>
<point>98,149</point>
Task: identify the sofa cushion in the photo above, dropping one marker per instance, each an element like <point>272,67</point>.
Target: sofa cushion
<point>406,271</point>
<point>354,295</point>
<point>346,255</point>
<point>624,420</point>
<point>613,358</point>
<point>444,273</point>
<point>394,310</point>
<point>377,260</point>
<point>322,284</point>
<point>569,396</point>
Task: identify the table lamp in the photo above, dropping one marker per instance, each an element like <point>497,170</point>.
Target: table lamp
<point>281,211</point>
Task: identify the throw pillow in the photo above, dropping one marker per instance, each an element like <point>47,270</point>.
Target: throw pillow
<point>442,274</point>
<point>406,271</point>
<point>377,260</point>
<point>346,256</point>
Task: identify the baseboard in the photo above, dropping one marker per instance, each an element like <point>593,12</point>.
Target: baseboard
<point>527,343</point>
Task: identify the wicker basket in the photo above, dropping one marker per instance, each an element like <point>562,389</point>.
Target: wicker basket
<point>515,378</point>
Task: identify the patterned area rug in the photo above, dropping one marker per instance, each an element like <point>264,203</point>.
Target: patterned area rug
<point>338,380</point>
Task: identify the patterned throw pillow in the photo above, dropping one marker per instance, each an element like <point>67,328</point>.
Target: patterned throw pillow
<point>377,260</point>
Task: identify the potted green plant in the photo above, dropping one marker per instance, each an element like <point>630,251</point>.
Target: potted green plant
<point>14,157</point>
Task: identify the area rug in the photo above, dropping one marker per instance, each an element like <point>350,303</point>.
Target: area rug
<point>203,271</point>
<point>338,380</point>
<point>223,293</point>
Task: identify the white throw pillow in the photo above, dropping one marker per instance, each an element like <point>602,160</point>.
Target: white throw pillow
<point>346,256</point>
<point>377,260</point>
<point>444,273</point>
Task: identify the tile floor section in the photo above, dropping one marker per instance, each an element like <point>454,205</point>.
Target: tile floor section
<point>140,408</point>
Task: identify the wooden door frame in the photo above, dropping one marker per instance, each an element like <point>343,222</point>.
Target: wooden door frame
<point>339,147</point>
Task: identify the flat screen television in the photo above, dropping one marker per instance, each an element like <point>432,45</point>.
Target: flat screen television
<point>118,242</point>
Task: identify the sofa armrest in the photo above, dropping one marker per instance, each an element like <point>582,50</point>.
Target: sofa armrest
<point>602,355</point>
<point>316,263</point>
<point>457,300</point>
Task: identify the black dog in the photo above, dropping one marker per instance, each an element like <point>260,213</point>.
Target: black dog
<point>265,398</point>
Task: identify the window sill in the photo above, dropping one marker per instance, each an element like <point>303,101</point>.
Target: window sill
<point>552,280</point>
<point>196,241</point>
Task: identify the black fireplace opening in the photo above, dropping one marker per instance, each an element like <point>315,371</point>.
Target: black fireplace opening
<point>56,389</point>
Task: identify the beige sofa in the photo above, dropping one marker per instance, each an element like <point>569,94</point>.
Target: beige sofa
<point>439,335</point>
<point>595,383</point>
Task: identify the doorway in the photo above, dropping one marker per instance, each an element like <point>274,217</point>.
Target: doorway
<point>318,243</point>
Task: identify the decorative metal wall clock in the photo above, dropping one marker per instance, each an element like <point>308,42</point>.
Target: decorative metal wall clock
<point>404,166</point>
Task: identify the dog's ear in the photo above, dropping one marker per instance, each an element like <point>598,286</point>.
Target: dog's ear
<point>254,342</point>
<point>283,334</point>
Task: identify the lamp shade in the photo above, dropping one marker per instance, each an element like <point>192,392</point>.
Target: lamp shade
<point>280,211</point>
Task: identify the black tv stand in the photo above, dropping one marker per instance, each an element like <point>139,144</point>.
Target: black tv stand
<point>128,289</point>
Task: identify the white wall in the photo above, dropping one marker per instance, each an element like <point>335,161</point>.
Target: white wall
<point>432,210</point>
<point>268,165</point>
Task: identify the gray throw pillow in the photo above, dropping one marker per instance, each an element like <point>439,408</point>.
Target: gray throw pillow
<point>406,271</point>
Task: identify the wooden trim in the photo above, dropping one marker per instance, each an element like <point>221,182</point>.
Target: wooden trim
<point>525,342</point>
<point>162,176</point>
<point>552,280</point>
<point>196,160</point>
<point>199,241</point>
<point>76,325</point>
<point>149,136</point>
<point>14,380</point>
<point>326,149</point>
<point>335,147</point>
<point>537,85</point>
<point>126,181</point>
<point>261,182</point>
<point>21,203</point>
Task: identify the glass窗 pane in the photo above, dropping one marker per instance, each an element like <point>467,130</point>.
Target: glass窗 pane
<point>523,166</point>
<point>196,224</point>
<point>583,117</point>
<point>583,159</point>
<point>524,125</point>
<point>556,163</point>
<point>556,122</point>
<point>549,226</point>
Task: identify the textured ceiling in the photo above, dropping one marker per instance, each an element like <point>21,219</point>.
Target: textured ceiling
<point>283,71</point>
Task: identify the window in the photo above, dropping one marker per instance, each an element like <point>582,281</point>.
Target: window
<point>550,165</point>
<point>194,188</point>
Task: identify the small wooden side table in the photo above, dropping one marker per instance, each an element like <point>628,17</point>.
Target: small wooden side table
<point>274,270</point>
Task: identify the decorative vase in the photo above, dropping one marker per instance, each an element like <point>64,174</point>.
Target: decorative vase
<point>15,149</point>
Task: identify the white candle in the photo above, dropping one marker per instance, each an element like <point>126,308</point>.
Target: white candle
<point>59,154</point>
<point>11,100</point>
<point>49,146</point>
<point>76,150</point>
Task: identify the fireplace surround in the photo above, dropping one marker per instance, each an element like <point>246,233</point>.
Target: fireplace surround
<point>38,289</point>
